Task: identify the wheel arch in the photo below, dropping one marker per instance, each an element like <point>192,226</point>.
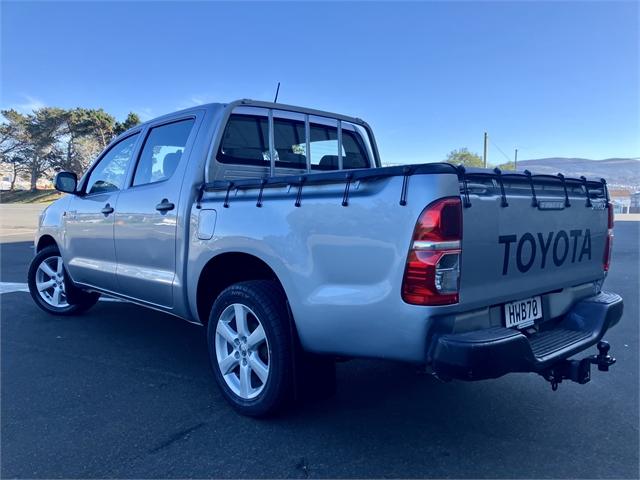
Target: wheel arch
<point>46,241</point>
<point>224,270</point>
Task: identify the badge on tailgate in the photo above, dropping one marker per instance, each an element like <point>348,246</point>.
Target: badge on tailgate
<point>522,313</point>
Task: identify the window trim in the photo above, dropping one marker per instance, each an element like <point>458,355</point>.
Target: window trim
<point>98,161</point>
<point>272,148</point>
<point>147,132</point>
<point>307,140</point>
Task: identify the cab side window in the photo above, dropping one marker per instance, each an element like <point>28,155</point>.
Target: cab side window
<point>162,152</point>
<point>110,173</point>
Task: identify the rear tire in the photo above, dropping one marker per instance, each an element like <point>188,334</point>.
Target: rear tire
<point>52,289</point>
<point>250,347</point>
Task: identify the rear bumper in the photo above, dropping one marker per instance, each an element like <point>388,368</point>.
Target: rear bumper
<point>493,352</point>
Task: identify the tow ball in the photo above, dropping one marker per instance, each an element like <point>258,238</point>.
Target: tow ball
<point>579,371</point>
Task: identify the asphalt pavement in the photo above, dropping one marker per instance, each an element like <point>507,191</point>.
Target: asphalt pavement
<point>126,392</point>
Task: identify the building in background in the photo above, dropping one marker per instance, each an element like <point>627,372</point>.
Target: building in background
<point>620,199</point>
<point>634,204</point>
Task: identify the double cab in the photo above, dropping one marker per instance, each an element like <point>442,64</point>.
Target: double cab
<point>278,230</point>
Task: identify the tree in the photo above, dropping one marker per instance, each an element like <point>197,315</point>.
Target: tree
<point>507,166</point>
<point>44,129</point>
<point>52,138</point>
<point>131,121</point>
<point>80,142</point>
<point>13,140</point>
<point>101,125</point>
<point>464,157</point>
<point>12,132</point>
<point>88,131</point>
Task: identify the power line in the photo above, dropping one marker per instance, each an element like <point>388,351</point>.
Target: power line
<point>500,150</point>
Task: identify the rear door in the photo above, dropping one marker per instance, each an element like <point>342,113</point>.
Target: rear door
<point>89,220</point>
<point>147,214</point>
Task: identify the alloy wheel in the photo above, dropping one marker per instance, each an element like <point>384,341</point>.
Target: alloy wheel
<point>242,351</point>
<point>50,282</point>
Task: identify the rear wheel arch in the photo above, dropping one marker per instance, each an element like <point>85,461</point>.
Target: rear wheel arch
<point>225,270</point>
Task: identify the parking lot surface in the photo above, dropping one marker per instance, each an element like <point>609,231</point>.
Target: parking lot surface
<point>126,392</point>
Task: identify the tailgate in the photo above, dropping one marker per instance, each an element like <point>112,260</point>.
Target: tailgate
<point>516,245</point>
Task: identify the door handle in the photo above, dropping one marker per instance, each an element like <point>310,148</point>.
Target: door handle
<point>165,205</point>
<point>107,209</point>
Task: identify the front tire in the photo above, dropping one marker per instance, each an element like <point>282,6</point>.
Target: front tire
<point>250,347</point>
<point>51,287</point>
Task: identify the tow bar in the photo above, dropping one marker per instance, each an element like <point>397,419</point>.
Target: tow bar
<point>579,371</point>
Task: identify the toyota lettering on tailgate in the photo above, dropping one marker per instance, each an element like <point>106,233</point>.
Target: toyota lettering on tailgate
<point>542,249</point>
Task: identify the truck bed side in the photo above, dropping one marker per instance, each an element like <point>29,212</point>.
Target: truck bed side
<point>341,266</point>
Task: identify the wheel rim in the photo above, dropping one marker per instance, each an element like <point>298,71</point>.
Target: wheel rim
<point>50,282</point>
<point>242,351</point>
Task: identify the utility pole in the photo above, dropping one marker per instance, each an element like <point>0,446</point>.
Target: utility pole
<point>515,160</point>
<point>484,154</point>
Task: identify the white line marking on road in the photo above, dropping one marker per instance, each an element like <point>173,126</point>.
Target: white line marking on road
<point>11,287</point>
<point>13,234</point>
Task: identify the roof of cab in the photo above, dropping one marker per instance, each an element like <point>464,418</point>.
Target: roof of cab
<point>248,103</point>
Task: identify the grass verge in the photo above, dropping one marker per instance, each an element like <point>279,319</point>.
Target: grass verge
<point>26,196</point>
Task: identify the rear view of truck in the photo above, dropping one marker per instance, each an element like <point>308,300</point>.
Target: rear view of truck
<point>521,259</point>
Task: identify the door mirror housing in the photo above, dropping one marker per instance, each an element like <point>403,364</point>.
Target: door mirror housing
<point>66,182</point>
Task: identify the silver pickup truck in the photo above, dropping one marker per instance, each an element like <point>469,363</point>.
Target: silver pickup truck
<point>276,228</point>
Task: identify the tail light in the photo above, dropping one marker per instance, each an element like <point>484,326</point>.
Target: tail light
<point>606,260</point>
<point>432,273</point>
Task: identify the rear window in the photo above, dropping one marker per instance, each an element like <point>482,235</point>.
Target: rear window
<point>246,141</point>
<point>324,148</point>
<point>290,144</point>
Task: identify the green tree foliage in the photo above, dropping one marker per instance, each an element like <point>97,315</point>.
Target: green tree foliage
<point>50,139</point>
<point>103,126</point>
<point>13,140</point>
<point>83,138</point>
<point>507,166</point>
<point>12,132</point>
<point>131,121</point>
<point>464,157</point>
<point>44,129</point>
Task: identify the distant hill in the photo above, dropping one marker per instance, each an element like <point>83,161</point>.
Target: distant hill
<point>619,172</point>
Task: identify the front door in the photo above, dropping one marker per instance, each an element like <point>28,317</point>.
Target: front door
<point>90,256</point>
<point>147,215</point>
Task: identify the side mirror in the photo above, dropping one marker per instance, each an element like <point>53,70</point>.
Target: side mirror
<point>66,182</point>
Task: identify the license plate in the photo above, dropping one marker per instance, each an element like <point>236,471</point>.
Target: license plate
<point>522,313</point>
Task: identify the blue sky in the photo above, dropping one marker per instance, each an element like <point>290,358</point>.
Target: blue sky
<point>548,78</point>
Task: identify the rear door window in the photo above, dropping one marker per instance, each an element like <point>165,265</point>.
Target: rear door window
<point>162,152</point>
